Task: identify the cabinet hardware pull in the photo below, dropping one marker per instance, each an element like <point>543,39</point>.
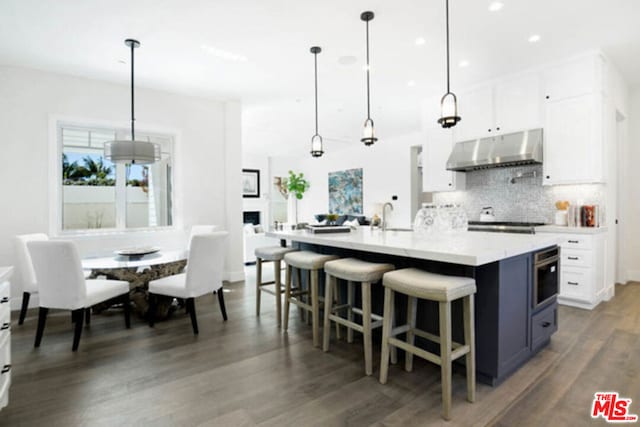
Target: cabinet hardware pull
<point>5,369</point>
<point>450,184</point>
<point>4,299</point>
<point>548,177</point>
<point>497,128</point>
<point>488,130</point>
<point>547,96</point>
<point>573,241</point>
<point>4,326</point>
<point>546,324</point>
<point>573,258</point>
<point>573,283</point>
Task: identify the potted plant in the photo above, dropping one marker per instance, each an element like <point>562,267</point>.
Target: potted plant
<point>297,185</point>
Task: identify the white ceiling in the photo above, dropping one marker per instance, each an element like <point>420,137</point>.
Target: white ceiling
<point>275,83</point>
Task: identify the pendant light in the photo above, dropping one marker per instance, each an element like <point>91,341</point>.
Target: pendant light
<point>132,152</point>
<point>368,134</point>
<point>316,140</point>
<point>449,102</point>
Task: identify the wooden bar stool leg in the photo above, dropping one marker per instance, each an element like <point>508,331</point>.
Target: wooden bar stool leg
<point>366,327</point>
<point>278,291</point>
<point>328,303</point>
<point>393,351</point>
<point>336,297</point>
<point>386,332</point>
<point>315,309</point>
<point>258,283</point>
<point>350,298</point>
<point>445,357</point>
<point>304,314</point>
<point>287,296</point>
<point>470,340</point>
<point>412,307</point>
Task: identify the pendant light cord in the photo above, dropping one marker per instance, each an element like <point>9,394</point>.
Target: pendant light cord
<point>133,119</point>
<point>368,91</point>
<point>447,19</point>
<point>315,59</point>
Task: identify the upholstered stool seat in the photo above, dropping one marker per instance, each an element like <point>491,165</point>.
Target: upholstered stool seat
<point>312,263</point>
<point>273,254</point>
<point>353,270</point>
<point>418,284</point>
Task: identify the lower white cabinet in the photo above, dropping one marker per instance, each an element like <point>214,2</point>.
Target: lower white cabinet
<point>5,336</point>
<point>582,266</point>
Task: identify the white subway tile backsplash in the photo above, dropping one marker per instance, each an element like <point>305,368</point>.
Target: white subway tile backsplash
<point>526,200</point>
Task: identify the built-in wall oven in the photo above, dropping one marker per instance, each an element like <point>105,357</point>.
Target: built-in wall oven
<point>546,275</point>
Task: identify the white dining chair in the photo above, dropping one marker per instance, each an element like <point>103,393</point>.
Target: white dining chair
<point>61,285</point>
<point>25,267</point>
<point>204,275</point>
<point>201,229</point>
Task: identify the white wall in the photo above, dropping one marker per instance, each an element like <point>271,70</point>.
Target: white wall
<point>631,200</point>
<point>207,154</point>
<point>260,204</point>
<point>386,172</point>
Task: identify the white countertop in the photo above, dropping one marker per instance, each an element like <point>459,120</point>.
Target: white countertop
<point>467,248</point>
<point>570,230</point>
<point>116,261</point>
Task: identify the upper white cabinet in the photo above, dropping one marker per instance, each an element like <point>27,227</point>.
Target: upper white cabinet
<point>573,125</point>
<point>509,105</point>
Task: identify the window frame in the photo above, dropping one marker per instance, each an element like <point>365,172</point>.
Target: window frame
<point>56,124</point>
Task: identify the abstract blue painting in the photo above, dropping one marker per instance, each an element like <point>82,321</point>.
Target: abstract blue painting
<point>345,192</point>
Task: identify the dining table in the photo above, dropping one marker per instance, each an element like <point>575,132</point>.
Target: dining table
<point>138,270</point>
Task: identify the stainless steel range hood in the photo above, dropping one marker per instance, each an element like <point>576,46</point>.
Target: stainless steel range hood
<point>513,149</point>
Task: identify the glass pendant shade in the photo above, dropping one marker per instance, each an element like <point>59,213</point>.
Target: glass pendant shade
<point>449,111</point>
<point>316,146</point>
<point>368,133</point>
<point>132,152</point>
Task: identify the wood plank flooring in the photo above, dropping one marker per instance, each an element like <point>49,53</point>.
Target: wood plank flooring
<point>246,372</point>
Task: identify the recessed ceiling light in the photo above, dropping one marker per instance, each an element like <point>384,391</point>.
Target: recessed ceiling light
<point>223,54</point>
<point>347,60</point>
<point>534,38</point>
<point>463,64</point>
<point>365,67</point>
<point>411,83</point>
<point>122,61</point>
<point>495,6</point>
<point>420,41</point>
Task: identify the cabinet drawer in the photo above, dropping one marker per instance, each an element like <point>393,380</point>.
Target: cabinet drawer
<point>576,241</point>
<point>576,283</point>
<point>5,325</point>
<point>5,306</point>
<point>576,258</point>
<point>5,369</point>
<point>543,325</point>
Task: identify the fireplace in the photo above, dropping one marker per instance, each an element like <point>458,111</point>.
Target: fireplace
<point>251,217</point>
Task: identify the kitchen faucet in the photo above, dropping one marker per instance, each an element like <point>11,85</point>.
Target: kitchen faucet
<point>384,215</point>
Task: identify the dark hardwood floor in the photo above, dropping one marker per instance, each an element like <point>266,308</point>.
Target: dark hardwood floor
<point>246,372</point>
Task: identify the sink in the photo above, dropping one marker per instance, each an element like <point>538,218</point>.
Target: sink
<point>399,229</point>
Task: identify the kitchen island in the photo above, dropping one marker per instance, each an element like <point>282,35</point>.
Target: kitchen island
<point>510,326</point>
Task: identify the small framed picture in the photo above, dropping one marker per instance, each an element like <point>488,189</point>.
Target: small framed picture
<point>251,183</point>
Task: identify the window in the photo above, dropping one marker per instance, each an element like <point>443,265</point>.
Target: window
<point>98,194</point>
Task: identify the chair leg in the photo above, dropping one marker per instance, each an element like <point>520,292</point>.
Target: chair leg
<point>328,305</point>
<point>258,282</point>
<point>126,305</point>
<point>470,340</point>
<point>278,291</point>
<point>366,327</point>
<point>445,357</point>
<point>315,308</point>
<point>336,297</point>
<point>304,314</point>
<point>192,312</point>
<point>350,299</point>
<point>151,312</point>
<point>386,332</point>
<point>25,307</point>
<point>223,308</point>
<point>287,296</point>
<point>79,316</point>
<point>87,316</point>
<point>412,307</point>
<point>42,319</point>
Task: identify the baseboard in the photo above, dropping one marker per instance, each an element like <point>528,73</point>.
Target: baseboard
<point>234,276</point>
<point>574,303</point>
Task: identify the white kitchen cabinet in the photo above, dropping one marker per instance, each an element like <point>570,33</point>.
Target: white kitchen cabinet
<point>573,140</point>
<point>582,265</point>
<point>435,153</point>
<point>509,105</point>
<point>5,336</point>
<point>576,77</point>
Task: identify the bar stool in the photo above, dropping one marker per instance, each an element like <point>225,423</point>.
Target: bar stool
<point>353,270</point>
<point>273,254</point>
<point>312,263</point>
<point>433,287</point>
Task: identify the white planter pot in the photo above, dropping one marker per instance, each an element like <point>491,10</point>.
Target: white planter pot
<point>292,209</point>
